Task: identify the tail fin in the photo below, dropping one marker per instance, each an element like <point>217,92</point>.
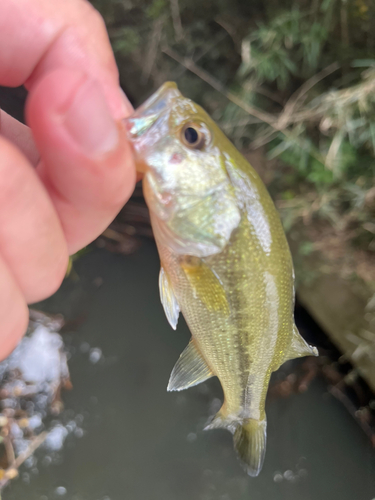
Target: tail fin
<point>249,438</point>
<point>250,444</point>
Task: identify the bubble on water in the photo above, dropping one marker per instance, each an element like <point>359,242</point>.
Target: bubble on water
<point>95,355</point>
<point>20,445</point>
<point>215,405</point>
<point>15,431</point>
<point>60,491</point>
<point>9,403</point>
<point>30,462</point>
<point>26,477</point>
<point>30,407</point>
<point>79,418</point>
<point>41,400</point>
<point>56,437</point>
<point>46,461</point>
<point>288,474</point>
<point>38,357</point>
<point>203,389</point>
<point>35,421</point>
<point>191,437</point>
<point>71,425</point>
<point>84,347</point>
<point>302,473</point>
<point>277,477</point>
<point>78,432</point>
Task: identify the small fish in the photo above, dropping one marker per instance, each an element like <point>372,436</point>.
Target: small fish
<point>225,262</point>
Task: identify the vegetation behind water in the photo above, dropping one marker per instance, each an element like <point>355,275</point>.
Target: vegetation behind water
<point>292,81</point>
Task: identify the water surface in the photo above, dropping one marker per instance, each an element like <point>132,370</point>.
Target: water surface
<point>142,443</point>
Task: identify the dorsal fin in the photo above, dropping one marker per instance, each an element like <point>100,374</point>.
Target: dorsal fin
<point>191,369</point>
<point>299,347</point>
<point>168,299</point>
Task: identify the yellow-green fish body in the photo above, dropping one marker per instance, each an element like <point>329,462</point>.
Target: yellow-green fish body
<point>225,262</point>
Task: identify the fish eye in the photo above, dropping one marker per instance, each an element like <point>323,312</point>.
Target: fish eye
<point>193,136</point>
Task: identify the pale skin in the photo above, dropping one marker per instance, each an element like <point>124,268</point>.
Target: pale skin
<point>65,176</point>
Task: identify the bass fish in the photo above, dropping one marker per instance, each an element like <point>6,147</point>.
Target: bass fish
<point>225,262</point>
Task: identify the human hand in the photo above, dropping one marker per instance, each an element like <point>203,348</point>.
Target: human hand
<point>63,181</point>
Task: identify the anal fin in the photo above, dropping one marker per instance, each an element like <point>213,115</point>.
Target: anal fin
<point>168,299</point>
<point>191,369</point>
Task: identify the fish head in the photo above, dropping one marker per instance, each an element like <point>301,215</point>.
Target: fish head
<point>179,149</point>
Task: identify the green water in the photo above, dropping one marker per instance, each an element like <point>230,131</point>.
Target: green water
<point>142,443</point>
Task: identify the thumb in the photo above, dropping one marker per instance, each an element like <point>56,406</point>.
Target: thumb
<point>86,161</point>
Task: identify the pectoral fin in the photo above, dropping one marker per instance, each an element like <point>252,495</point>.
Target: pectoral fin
<point>168,299</point>
<point>206,285</point>
<point>191,369</point>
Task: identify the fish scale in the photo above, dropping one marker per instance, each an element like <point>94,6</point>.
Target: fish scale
<point>225,262</point>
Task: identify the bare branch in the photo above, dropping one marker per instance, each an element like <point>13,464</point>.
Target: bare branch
<point>9,473</point>
<point>176,19</point>
<point>289,108</point>
<point>251,110</point>
<point>153,48</point>
<point>203,75</point>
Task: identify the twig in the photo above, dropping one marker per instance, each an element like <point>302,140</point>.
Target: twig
<point>285,116</point>
<point>207,49</point>
<point>176,19</point>
<point>344,23</point>
<point>34,445</point>
<point>264,139</point>
<point>270,95</point>
<point>153,48</point>
<point>251,110</point>
<point>241,123</point>
<point>232,32</point>
<point>9,450</point>
<point>203,75</point>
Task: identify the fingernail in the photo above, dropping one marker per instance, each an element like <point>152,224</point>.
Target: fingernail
<point>89,122</point>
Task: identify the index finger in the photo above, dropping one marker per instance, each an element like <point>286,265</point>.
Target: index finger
<point>39,36</point>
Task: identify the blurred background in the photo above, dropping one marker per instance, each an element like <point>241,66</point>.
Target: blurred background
<point>293,86</point>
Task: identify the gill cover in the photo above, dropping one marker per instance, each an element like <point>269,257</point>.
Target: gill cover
<point>192,202</point>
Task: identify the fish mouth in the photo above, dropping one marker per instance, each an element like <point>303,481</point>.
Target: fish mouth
<point>146,116</point>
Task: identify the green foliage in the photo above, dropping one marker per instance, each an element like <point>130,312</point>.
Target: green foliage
<point>306,68</point>
<point>324,123</point>
<point>289,46</point>
<point>125,40</point>
<point>156,9</point>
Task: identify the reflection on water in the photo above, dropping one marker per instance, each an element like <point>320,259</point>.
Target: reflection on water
<point>139,442</point>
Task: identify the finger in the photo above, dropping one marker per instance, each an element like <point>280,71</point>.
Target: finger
<point>40,36</point>
<point>87,164</point>
<point>14,314</point>
<point>20,135</point>
<point>32,242</point>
